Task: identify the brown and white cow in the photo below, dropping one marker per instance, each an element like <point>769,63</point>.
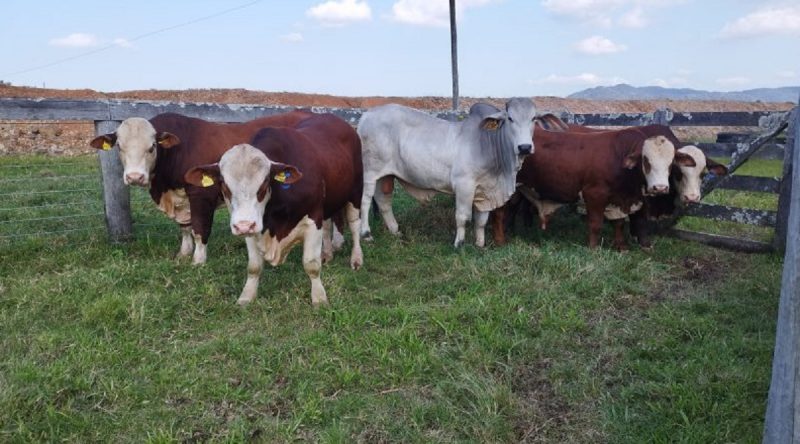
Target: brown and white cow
<point>608,169</point>
<point>156,153</point>
<point>280,188</point>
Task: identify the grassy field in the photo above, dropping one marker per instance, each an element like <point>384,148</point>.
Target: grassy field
<point>541,340</point>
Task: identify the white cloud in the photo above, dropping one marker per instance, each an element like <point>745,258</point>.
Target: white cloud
<point>340,12</point>
<point>580,79</point>
<point>786,74</point>
<point>735,81</point>
<point>292,37</point>
<point>766,21</point>
<point>431,12</point>
<point>122,43</point>
<point>672,82</point>
<point>633,19</point>
<point>602,12</point>
<point>75,40</point>
<point>598,45</point>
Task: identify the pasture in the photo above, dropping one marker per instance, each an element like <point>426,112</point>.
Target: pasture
<point>540,340</point>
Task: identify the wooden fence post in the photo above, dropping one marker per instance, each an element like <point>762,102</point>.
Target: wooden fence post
<point>782,420</point>
<point>782,222</point>
<point>116,195</point>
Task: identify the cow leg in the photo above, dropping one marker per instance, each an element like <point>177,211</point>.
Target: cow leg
<point>366,201</point>
<point>498,216</point>
<point>463,213</point>
<point>199,257</point>
<point>619,235</point>
<point>356,256</point>
<point>202,211</point>
<point>187,242</point>
<point>327,241</point>
<point>481,217</point>
<point>312,264</point>
<point>384,202</point>
<point>640,229</point>
<point>255,263</point>
<point>337,238</point>
<point>595,214</point>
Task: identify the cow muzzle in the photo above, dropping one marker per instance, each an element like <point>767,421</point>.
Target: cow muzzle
<point>243,228</point>
<point>659,189</point>
<point>525,149</point>
<point>690,198</point>
<point>138,179</point>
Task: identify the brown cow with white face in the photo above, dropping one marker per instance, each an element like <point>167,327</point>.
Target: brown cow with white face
<point>156,153</point>
<point>281,187</point>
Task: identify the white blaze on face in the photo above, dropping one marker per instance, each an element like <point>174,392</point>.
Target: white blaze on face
<point>136,138</point>
<point>689,185</point>
<point>245,171</point>
<point>657,156</point>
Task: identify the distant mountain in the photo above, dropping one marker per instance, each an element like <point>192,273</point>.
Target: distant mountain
<point>628,92</point>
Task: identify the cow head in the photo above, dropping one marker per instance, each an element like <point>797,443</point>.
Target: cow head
<point>657,155</point>
<point>691,163</point>
<point>246,176</point>
<point>512,128</point>
<point>137,141</point>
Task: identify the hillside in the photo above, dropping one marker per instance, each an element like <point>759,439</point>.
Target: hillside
<point>628,92</point>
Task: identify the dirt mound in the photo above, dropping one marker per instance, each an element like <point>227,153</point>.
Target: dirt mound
<point>68,138</point>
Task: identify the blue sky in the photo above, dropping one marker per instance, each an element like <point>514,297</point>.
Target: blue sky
<point>401,47</point>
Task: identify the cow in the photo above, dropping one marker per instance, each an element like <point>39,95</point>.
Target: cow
<point>156,153</point>
<point>282,185</point>
<point>609,170</point>
<point>685,188</point>
<point>476,159</point>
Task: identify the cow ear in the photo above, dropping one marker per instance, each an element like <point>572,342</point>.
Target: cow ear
<point>683,159</point>
<point>551,122</point>
<point>104,142</point>
<point>493,122</point>
<point>716,168</point>
<point>285,174</point>
<point>633,157</point>
<point>167,140</point>
<point>204,175</point>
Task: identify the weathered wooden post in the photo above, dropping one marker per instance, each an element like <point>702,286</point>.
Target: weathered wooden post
<point>782,421</point>
<point>454,52</point>
<point>782,221</point>
<point>116,195</point>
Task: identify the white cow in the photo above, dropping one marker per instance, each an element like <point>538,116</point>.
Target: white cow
<point>476,159</point>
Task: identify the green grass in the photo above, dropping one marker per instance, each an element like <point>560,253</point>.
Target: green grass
<point>540,340</point>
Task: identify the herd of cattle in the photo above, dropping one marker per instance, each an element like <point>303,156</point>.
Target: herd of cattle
<point>295,177</point>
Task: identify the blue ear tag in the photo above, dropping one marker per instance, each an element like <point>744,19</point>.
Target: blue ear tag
<point>281,177</point>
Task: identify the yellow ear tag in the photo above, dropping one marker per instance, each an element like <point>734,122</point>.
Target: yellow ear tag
<point>280,177</point>
<point>106,146</point>
<point>207,181</point>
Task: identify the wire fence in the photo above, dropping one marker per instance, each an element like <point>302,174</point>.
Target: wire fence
<point>42,197</point>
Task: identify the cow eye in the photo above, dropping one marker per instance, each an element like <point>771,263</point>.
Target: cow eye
<point>510,119</point>
<point>152,148</point>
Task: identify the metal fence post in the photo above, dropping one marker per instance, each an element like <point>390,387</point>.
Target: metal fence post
<point>661,116</point>
<point>782,221</point>
<point>782,419</point>
<point>116,195</point>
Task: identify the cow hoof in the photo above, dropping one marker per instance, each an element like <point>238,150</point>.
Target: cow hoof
<point>367,236</point>
<point>356,264</point>
<point>326,257</point>
<point>243,302</point>
<point>458,244</point>
<point>320,304</point>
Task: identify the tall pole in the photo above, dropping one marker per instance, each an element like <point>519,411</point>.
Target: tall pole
<point>454,52</point>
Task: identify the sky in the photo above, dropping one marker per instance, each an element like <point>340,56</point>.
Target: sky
<point>400,47</point>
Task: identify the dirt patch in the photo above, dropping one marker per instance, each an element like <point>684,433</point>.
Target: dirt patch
<point>542,412</point>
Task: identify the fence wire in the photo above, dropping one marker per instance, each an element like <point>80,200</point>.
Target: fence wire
<point>44,196</point>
